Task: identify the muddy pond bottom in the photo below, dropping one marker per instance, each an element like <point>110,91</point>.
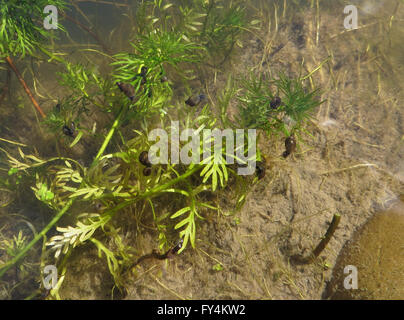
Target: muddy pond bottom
<point>377,253</point>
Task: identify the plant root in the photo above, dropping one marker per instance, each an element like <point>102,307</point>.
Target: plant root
<point>24,85</point>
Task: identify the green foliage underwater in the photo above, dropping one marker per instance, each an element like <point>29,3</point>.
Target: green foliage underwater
<point>172,47</point>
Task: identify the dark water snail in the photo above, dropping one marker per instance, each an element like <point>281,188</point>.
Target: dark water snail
<point>144,158</point>
<point>195,100</point>
<point>143,71</point>
<point>147,171</point>
<point>69,131</point>
<point>170,254</point>
<point>290,146</point>
<point>275,103</point>
<point>260,169</point>
<point>127,89</point>
<point>142,74</point>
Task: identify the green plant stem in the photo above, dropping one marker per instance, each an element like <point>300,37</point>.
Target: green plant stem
<point>153,192</point>
<point>43,232</point>
<point>109,136</point>
<point>52,56</point>
<point>57,217</point>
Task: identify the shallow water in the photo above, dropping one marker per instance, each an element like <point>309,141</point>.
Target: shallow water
<point>352,164</point>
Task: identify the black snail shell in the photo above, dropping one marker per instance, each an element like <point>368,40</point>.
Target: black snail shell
<point>144,158</point>
<point>275,103</point>
<point>195,100</point>
<point>177,247</point>
<point>290,146</point>
<point>147,171</point>
<point>260,169</point>
<point>142,74</point>
<point>69,131</point>
<point>127,89</point>
<point>143,71</point>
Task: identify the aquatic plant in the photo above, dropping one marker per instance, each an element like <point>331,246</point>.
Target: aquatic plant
<point>216,25</point>
<point>21,29</point>
<point>21,32</point>
<point>280,105</point>
<point>117,179</point>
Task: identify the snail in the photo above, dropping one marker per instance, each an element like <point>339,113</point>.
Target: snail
<point>260,169</point>
<point>195,100</point>
<point>147,171</point>
<point>142,74</point>
<point>127,89</point>
<point>275,103</point>
<point>144,159</point>
<point>176,248</point>
<point>290,146</point>
<point>69,131</point>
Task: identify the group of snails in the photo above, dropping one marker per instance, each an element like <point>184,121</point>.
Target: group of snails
<point>290,143</point>
<point>144,159</point>
<point>129,90</point>
<point>192,101</point>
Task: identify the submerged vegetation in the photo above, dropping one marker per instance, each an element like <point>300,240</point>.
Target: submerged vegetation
<point>173,42</point>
